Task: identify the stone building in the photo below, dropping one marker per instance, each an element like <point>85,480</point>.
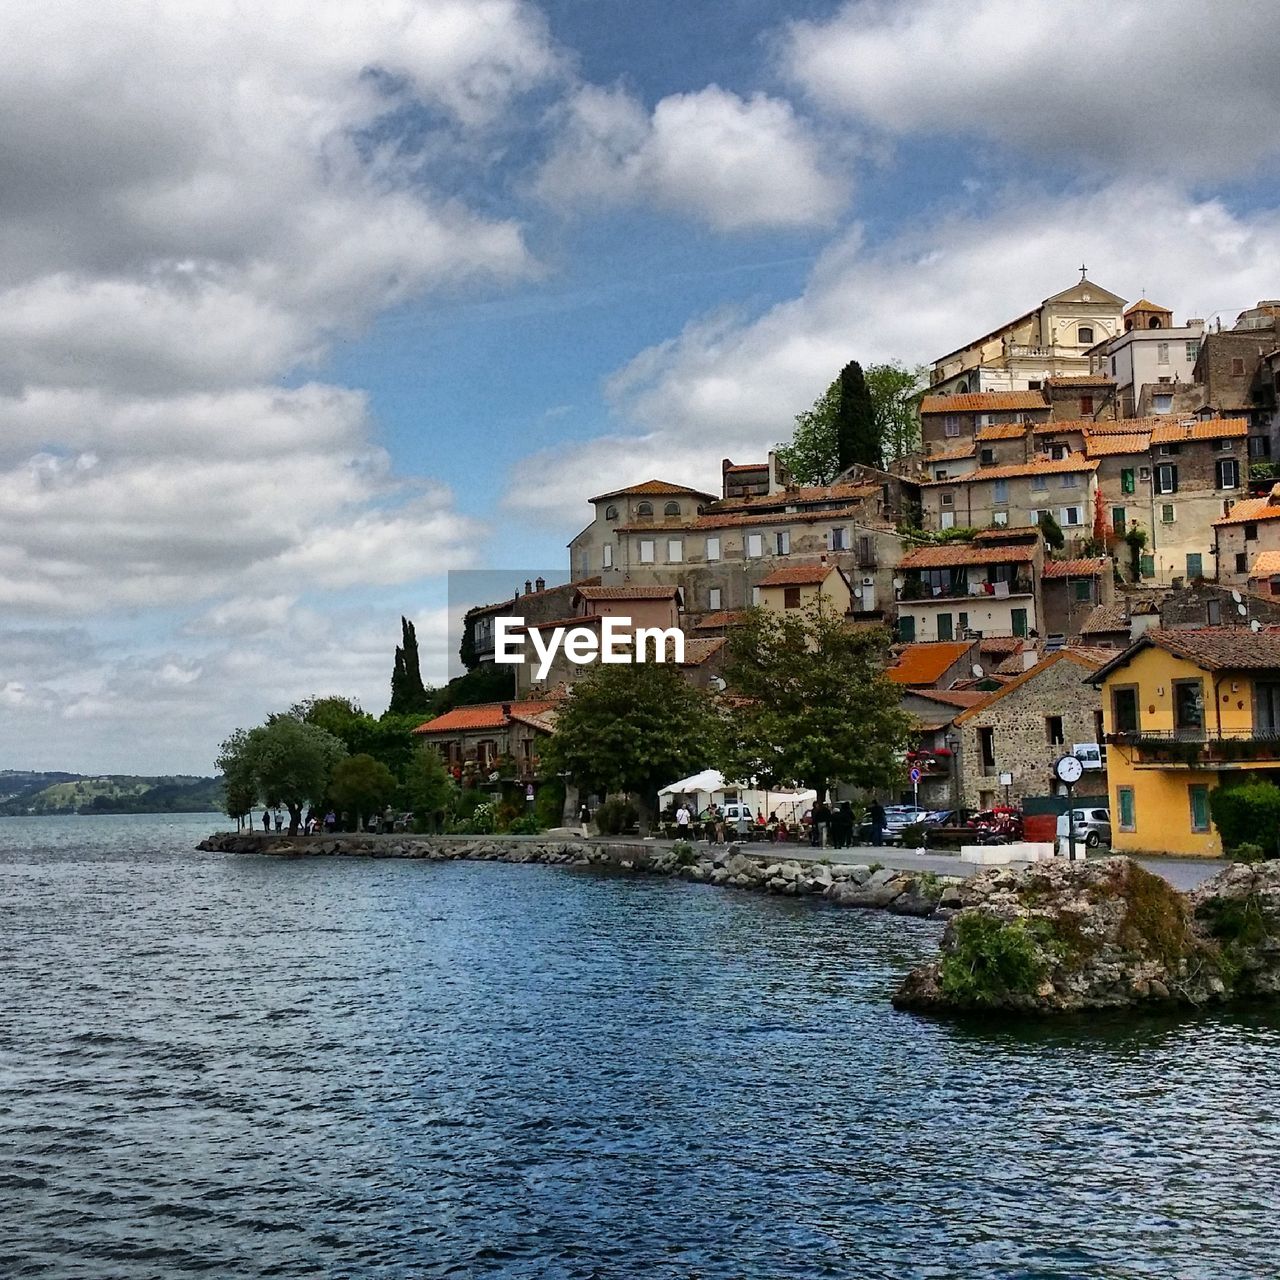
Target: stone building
<point>1233,369</point>
<point>1250,529</point>
<point>1014,494</point>
<point>947,419</point>
<point>538,603</point>
<point>1070,590</point>
<point>1087,396</point>
<point>1021,730</point>
<point>502,737</point>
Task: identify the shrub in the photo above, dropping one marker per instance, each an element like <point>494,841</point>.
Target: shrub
<point>614,816</point>
<point>1248,852</point>
<point>685,856</point>
<point>1244,812</point>
<point>527,826</point>
<point>990,960</point>
<point>548,805</point>
<point>913,835</point>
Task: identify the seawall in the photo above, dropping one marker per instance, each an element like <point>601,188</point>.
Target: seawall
<point>914,893</point>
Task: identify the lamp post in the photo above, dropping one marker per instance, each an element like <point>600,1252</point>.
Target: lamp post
<point>953,742</point>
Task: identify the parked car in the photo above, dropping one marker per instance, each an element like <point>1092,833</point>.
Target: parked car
<point>1093,826</point>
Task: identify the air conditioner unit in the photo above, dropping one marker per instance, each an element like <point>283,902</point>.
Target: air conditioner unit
<point>868,582</point>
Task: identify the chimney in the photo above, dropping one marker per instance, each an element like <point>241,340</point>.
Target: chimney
<point>528,586</point>
<point>725,464</point>
<point>540,584</point>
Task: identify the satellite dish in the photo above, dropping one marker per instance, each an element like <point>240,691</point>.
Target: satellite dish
<point>1235,595</point>
<point>1255,626</point>
<point>717,684</point>
<point>899,583</point>
<point>1241,610</point>
<point>977,670</point>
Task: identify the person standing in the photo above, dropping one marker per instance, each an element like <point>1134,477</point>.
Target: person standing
<point>877,823</point>
<point>683,818</point>
<point>279,821</point>
<point>266,820</point>
<point>584,819</point>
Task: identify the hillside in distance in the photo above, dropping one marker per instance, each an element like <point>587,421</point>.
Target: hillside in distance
<point>32,792</point>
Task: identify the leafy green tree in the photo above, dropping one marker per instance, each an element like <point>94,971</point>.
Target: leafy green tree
<point>428,788</point>
<point>894,388</point>
<point>1136,537</point>
<point>388,738</point>
<point>816,706</point>
<point>632,728</point>
<point>813,456</point>
<point>408,693</point>
<point>286,761</point>
<point>1051,531</point>
<point>857,438</point>
<point>362,786</point>
<point>239,789</point>
<point>489,682</point>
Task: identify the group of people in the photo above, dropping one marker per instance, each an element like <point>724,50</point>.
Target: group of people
<point>829,826</point>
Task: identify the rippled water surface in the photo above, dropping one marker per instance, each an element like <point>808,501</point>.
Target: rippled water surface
<point>257,1067</point>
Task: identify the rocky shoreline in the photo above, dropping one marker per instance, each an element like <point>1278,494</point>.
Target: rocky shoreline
<point>908,893</point>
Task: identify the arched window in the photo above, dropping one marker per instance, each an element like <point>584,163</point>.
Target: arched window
<point>1155,323</point>
<point>645,509</point>
<point>611,513</point>
<point>1084,336</point>
<point>671,509</point>
<point>962,387</point>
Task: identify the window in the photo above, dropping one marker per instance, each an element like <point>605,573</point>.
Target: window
<point>949,498</point>
<point>1147,565</point>
<point>947,520</point>
<point>987,457</point>
<point>783,542</point>
<point>1118,520</point>
<point>611,513</point>
<point>1124,709</point>
<point>713,548</point>
<point>1144,474</point>
<point>790,597</point>
<point>1034,384</point>
<point>1213,613</point>
<point>1070,516</point>
<point>671,509</point>
<point>1000,519</point>
<point>1113,366</point>
<point>1259,446</point>
<point>1069,480</point>
<point>1199,797</point>
<point>1084,335</point>
<point>1251,533</point>
<point>647,550</point>
<point>1057,452</point>
<point>1039,483</point>
<point>962,621</point>
<point>906,628</point>
<point>645,509</point>
<point>940,474</point>
<point>945,631</point>
<point>1228,473</point>
<point>1018,617</point>
<point>1223,446</point>
<point>1162,353</point>
<point>1053,730</point>
<point>1242,562</point>
<point>713,598</point>
<point>1237,367</point>
<point>755,595</point>
<point>1161,403</point>
<point>1188,708</point>
<point>1128,816</point>
<point>1167,513</point>
<point>1001,494</point>
<point>1195,564</point>
<point>1166,478</point>
<point>1086,406</point>
<point>987,746</point>
<point>1168,450</point>
<point>836,540</point>
<point>1083,588</point>
<point>675,550</point>
<point>755,546</point>
<point>1193,352</point>
<point>951,424</point>
<point>1126,480</point>
<point>608,555</point>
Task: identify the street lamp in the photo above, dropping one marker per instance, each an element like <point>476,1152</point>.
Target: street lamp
<point>953,743</point>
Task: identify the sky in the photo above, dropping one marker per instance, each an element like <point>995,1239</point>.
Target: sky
<point>303,306</point>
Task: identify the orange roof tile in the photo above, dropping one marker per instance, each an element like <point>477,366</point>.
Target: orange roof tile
<point>926,662</point>
<point>1082,658</point>
<point>963,553</point>
<point>651,487</point>
<point>484,715</point>
<point>1003,431</point>
<point>746,466</point>
<point>700,650</point>
<point>1265,564</point>
<point>1091,568</point>
<point>795,497</point>
<point>1210,429</point>
<point>1248,511</point>
<point>1040,467</point>
<point>654,592</point>
<point>1081,380</point>
<point>1107,446</point>
<point>799,575</point>
<point>733,520</point>
<point>1144,304</point>
<point>720,618</point>
<point>953,453</point>
<point>984,402</point>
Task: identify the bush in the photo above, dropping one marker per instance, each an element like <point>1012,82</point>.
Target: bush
<point>1246,812</point>
<point>548,805</point>
<point>991,960</point>
<point>913,835</point>
<point>480,822</point>
<point>527,826</point>
<point>685,855</point>
<point>1248,852</point>
<point>614,816</point>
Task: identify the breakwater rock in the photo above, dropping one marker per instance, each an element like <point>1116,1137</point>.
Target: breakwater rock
<point>734,866</point>
<point>1102,934</point>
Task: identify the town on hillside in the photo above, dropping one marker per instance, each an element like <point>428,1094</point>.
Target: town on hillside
<point>1077,554</point>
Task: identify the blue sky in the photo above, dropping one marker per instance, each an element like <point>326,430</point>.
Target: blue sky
<point>306,307</point>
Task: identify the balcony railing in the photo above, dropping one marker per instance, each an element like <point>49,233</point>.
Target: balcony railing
<point>1190,748</point>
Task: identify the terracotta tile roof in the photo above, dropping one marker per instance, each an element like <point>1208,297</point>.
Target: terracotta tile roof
<point>1080,658</point>
<point>1015,664</point>
<point>799,575</point>
<point>928,661</point>
<point>797,497</point>
<point>517,600</point>
<point>721,618</point>
<point>1210,648</point>
<point>958,553</point>
<point>1095,653</point>
<point>1249,510</point>
<point>1065,426</point>
<point>953,453</point>
<point>573,620</point>
<point>699,650</point>
<point>746,466</point>
<point>484,715</point>
<point>955,697</point>
<point>1008,533</point>
<point>1081,380</point>
<point>1109,445</point>
<point>628,593</point>
<point>1166,432</point>
<point>543,720</point>
<point>651,488</point>
<point>984,402</point>
<point>734,521</point>
<point>1092,568</point>
<point>1106,618</point>
<point>1265,564</point>
<point>1003,431</point>
<point>1143,304</point>
<point>1041,467</point>
<point>1004,645</point>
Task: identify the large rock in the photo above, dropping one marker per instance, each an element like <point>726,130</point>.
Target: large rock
<point>1101,934</point>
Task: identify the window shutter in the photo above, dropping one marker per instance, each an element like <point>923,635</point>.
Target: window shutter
<point>1174,472</point>
<point>831,540</point>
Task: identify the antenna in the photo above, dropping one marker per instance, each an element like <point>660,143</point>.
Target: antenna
<point>717,684</point>
<point>1241,610</point>
<point>1255,626</point>
<point>1235,595</point>
<point>977,670</point>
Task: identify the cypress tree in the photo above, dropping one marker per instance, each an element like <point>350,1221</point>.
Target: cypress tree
<point>857,439</point>
<point>408,693</point>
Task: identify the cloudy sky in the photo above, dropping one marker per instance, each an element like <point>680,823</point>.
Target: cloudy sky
<point>303,305</point>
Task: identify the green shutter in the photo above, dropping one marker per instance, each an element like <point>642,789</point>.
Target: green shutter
<point>944,627</point>
<point>1019,617</point>
<point>1195,565</point>
<point>1127,820</point>
<point>1118,521</point>
<point>1126,481</point>
<point>907,628</point>
<point>1148,566</point>
<point>1199,808</point>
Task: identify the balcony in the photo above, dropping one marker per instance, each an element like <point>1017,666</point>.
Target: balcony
<point>932,764</point>
<point>1199,749</point>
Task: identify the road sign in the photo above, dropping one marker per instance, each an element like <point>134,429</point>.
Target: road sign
<point>915,776</point>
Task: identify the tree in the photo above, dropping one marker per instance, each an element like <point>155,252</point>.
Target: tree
<point>893,390</point>
<point>389,738</point>
<point>239,790</point>
<point>812,457</point>
<point>427,787</point>
<point>857,440</point>
<point>816,706</point>
<point>632,728</point>
<point>286,761</point>
<point>361,785</point>
<point>489,682</point>
<point>1051,531</point>
<point>1136,537</point>
<point>408,693</point>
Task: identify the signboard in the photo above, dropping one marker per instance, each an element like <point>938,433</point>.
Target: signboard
<point>528,792</point>
<point>1089,754</point>
<point>915,776</point>
<point>1006,779</point>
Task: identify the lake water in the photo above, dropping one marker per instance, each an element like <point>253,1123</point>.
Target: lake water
<point>254,1067</point>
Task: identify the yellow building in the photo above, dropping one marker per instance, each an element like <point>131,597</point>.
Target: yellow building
<point>1185,711</point>
<point>822,587</point>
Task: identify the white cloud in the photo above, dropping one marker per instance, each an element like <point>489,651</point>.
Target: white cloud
<point>734,163</point>
<point>1175,90</point>
<point>731,384</point>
